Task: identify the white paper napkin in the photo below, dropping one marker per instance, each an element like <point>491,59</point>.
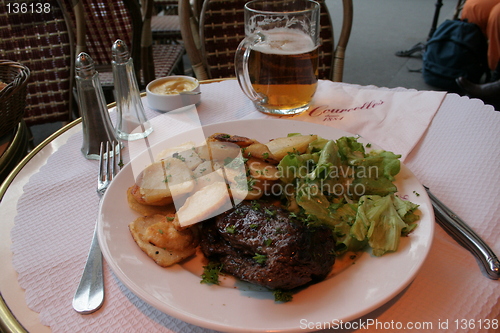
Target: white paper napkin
<point>393,119</point>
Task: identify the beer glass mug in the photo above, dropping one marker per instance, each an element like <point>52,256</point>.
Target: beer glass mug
<point>277,62</point>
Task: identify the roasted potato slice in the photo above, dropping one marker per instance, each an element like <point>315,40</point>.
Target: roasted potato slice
<point>161,256</point>
<point>260,151</point>
<point>258,188</point>
<point>280,147</point>
<point>205,168</point>
<point>164,179</point>
<point>241,141</point>
<point>209,201</point>
<point>148,210</point>
<point>139,198</point>
<point>216,151</point>
<point>171,151</point>
<point>164,234</point>
<point>262,170</point>
<point>185,152</point>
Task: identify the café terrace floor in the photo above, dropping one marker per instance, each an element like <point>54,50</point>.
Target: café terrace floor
<point>380,29</point>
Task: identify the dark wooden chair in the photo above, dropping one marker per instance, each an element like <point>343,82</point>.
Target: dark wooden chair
<point>212,37</point>
<point>43,42</point>
<point>159,59</point>
<point>14,78</point>
<point>14,135</point>
<point>165,23</point>
<point>99,23</point>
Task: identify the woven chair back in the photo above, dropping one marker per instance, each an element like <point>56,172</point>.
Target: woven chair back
<point>13,95</point>
<point>158,59</point>
<point>43,42</point>
<point>222,28</point>
<point>165,23</point>
<point>99,23</point>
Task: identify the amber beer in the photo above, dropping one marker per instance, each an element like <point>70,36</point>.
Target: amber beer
<point>284,68</point>
<point>277,62</point>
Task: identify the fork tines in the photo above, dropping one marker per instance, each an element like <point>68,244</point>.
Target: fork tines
<point>112,157</point>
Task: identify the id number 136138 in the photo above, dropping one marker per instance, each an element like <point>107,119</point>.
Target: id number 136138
<point>477,324</point>
<point>28,8</point>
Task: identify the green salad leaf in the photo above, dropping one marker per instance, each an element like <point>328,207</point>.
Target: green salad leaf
<point>340,185</point>
<point>379,221</point>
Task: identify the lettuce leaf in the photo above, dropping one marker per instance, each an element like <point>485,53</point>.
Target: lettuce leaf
<point>296,166</point>
<point>339,185</point>
<point>374,172</point>
<point>379,220</point>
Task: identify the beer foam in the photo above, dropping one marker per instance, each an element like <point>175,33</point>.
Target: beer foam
<point>285,41</point>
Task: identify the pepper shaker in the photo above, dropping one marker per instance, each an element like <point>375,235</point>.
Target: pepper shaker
<point>131,123</point>
<point>97,126</point>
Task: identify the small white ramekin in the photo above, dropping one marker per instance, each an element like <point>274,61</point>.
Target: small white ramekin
<point>164,102</point>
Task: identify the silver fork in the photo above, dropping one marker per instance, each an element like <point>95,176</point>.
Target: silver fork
<point>89,295</point>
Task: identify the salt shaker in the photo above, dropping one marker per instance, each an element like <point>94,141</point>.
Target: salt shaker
<point>97,126</point>
<point>131,123</point>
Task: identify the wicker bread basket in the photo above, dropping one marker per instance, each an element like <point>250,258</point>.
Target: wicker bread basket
<point>12,96</point>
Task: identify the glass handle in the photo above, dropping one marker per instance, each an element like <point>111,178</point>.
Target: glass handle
<point>241,64</point>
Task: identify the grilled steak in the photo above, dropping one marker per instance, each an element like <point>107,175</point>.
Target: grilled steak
<point>262,244</point>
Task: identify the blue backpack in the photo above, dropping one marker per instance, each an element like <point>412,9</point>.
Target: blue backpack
<point>457,48</point>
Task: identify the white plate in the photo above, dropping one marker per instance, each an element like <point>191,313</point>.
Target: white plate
<point>354,292</point>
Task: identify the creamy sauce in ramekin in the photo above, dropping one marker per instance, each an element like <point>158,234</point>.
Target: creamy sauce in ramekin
<point>173,87</point>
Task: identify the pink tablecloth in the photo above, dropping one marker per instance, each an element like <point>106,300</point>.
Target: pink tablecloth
<point>453,151</point>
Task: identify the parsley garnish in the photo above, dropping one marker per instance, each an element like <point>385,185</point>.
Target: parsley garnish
<point>230,229</point>
<point>211,273</point>
<point>179,156</point>
<point>269,212</point>
<point>255,205</point>
<point>282,296</point>
<point>260,258</point>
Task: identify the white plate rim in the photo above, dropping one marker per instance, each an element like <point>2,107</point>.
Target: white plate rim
<point>213,307</point>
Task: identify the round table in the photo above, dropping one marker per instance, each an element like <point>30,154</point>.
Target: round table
<point>457,157</point>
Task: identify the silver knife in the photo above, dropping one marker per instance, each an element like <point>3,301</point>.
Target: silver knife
<point>461,232</point>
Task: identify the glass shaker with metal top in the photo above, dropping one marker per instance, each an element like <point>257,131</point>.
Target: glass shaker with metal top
<point>132,123</point>
<point>97,126</point>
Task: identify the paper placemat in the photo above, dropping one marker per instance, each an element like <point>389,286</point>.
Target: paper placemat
<point>58,209</point>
